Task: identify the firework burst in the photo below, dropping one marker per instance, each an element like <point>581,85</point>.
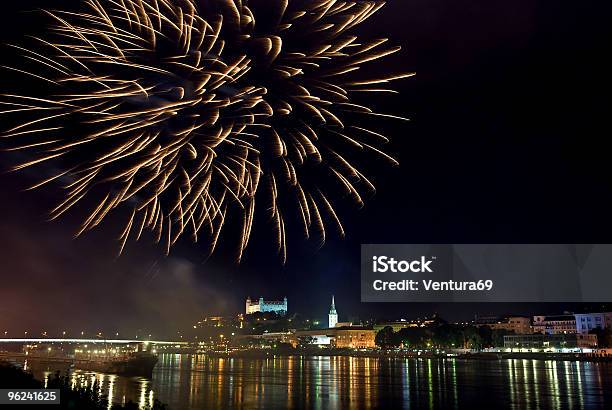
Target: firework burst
<point>184,112</point>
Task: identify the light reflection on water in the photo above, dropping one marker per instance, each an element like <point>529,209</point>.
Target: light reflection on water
<point>199,382</point>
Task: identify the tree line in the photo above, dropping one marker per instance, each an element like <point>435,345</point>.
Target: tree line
<point>444,336</point>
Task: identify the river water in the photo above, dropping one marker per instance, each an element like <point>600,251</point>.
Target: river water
<point>186,382</point>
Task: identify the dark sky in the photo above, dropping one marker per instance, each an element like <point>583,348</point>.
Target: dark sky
<point>510,114</point>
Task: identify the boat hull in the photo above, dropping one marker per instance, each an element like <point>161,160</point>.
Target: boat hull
<point>135,366</point>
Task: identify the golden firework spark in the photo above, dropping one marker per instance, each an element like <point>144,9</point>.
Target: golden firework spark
<point>183,111</point>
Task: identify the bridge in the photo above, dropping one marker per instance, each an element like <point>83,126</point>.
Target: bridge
<point>92,341</point>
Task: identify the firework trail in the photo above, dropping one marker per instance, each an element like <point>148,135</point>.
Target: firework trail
<point>185,111</point>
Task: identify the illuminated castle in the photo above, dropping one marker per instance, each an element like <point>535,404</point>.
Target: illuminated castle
<point>262,305</point>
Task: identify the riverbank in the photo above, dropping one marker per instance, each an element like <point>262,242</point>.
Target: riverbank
<point>72,396</point>
<point>266,353</point>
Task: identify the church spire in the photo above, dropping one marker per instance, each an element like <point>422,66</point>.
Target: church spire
<point>333,315</point>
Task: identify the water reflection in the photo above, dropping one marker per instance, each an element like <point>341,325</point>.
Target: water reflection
<point>197,382</point>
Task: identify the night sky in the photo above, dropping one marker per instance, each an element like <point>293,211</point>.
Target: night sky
<point>510,115</point>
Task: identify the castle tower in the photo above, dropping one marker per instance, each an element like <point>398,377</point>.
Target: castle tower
<point>333,315</point>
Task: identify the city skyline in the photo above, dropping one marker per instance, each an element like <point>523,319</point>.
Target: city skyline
<point>320,315</point>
